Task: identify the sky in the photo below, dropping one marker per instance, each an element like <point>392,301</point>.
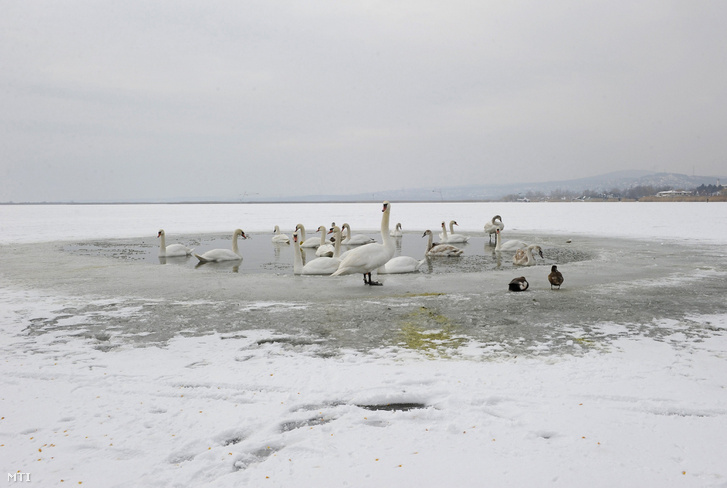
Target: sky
<point>165,100</point>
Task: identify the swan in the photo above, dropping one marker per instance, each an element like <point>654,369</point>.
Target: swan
<point>318,266</point>
<point>525,257</point>
<point>555,277</point>
<point>216,255</point>
<point>325,249</point>
<point>519,284</point>
<point>397,232</point>
<point>401,264</point>
<point>280,238</point>
<point>440,249</point>
<point>172,250</point>
<point>356,240</point>
<point>372,256</point>
<point>452,237</point>
<point>512,245</point>
<point>312,242</point>
<point>492,226</point>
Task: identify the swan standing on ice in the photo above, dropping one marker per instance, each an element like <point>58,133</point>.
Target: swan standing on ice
<point>518,284</point>
<point>357,239</point>
<point>491,227</point>
<point>452,237</point>
<point>280,238</point>
<point>312,242</point>
<point>216,255</point>
<point>397,231</point>
<point>172,250</point>
<point>555,277</point>
<point>512,245</point>
<point>319,266</point>
<point>440,249</point>
<point>372,256</point>
<point>525,257</point>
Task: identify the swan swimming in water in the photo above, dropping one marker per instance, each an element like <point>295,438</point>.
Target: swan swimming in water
<point>448,238</point>
<point>492,226</point>
<point>216,255</point>
<point>512,245</point>
<point>318,266</point>
<point>525,257</point>
<point>357,239</point>
<point>518,284</point>
<point>172,250</point>
<point>440,249</point>
<point>311,242</point>
<point>280,238</point>
<point>370,257</point>
<point>325,249</point>
<point>397,231</point>
<point>555,277</point>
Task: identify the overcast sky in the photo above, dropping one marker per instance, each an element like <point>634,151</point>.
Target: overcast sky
<point>109,100</point>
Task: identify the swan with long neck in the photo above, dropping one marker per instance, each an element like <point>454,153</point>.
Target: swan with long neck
<point>452,237</point>
<point>216,255</point>
<point>440,249</point>
<point>318,266</point>
<point>312,242</point>
<point>397,232</point>
<point>491,227</point>
<point>280,238</point>
<point>511,245</point>
<point>325,249</point>
<point>355,239</point>
<point>369,257</point>
<point>525,257</point>
<point>172,250</point>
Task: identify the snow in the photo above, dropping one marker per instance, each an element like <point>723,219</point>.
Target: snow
<point>618,382</point>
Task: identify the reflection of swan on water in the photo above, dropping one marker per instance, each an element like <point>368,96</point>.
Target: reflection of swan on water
<point>525,257</point>
<point>452,237</point>
<point>319,266</point>
<point>555,277</point>
<point>397,231</point>
<point>372,256</point>
<point>518,284</point>
<point>440,249</point>
<point>357,239</point>
<point>216,255</point>
<point>280,238</point>
<point>512,245</point>
<point>172,250</point>
<point>492,226</point>
<point>312,242</point>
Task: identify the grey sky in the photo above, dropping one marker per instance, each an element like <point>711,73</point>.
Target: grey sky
<point>103,100</point>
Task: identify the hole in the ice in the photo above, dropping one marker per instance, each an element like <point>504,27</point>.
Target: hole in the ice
<point>298,424</point>
<point>254,457</point>
<point>403,407</point>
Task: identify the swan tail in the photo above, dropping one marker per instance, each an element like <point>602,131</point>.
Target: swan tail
<point>201,259</point>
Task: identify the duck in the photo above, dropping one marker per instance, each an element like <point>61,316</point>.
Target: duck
<point>172,250</point>
<point>440,249</point>
<point>397,232</point>
<point>357,239</point>
<point>216,255</point>
<point>452,237</point>
<point>519,284</point>
<point>555,277</point>
<point>525,257</point>
<point>280,238</point>
<point>312,242</point>
<point>318,266</point>
<point>492,226</point>
<point>370,257</point>
<point>511,245</point>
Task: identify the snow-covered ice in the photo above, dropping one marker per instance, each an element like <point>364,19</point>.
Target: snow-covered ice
<point>119,370</point>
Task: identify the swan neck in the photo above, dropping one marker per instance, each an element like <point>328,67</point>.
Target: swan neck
<point>444,232</point>
<point>162,243</point>
<point>234,244</point>
<point>497,241</point>
<point>385,234</point>
<point>337,244</point>
<point>297,259</point>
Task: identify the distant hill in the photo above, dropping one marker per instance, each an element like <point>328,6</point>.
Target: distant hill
<point>621,180</point>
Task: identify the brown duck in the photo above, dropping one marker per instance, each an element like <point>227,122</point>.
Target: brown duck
<point>555,277</point>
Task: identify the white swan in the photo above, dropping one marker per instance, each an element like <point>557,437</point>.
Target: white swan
<point>524,257</point>
<point>318,266</point>
<point>440,249</point>
<point>312,242</point>
<point>452,237</point>
<point>512,245</point>
<point>325,249</point>
<point>397,231</point>
<point>356,240</point>
<point>216,255</point>
<point>492,226</point>
<point>372,256</point>
<point>172,250</point>
<point>280,238</point>
<point>401,264</point>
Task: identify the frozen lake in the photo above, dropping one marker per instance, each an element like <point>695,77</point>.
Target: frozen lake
<point>83,288</point>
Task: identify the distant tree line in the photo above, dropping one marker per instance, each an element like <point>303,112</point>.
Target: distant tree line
<point>633,193</point>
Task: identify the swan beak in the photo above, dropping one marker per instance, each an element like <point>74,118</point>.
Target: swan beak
<point>541,254</point>
<point>159,234</point>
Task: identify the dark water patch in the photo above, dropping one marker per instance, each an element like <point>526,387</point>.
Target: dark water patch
<point>395,407</point>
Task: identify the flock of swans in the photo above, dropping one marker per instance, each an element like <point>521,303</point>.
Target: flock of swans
<point>365,255</point>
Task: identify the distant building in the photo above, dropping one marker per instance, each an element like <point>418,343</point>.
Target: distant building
<point>674,193</point>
